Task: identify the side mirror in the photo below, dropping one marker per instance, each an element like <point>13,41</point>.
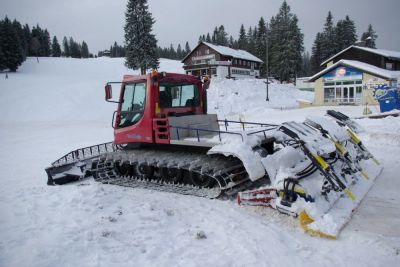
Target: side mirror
<point>108,90</point>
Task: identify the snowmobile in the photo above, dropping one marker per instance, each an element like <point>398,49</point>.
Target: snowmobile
<point>165,140</point>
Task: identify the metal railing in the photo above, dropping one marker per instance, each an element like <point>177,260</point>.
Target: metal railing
<point>177,128</point>
<point>243,124</point>
<point>270,127</point>
<point>84,153</point>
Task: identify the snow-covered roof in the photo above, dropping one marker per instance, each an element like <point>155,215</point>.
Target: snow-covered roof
<point>236,53</point>
<point>386,53</point>
<point>227,51</point>
<point>388,74</point>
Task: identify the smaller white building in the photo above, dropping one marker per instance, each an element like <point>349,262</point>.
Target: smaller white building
<point>303,83</point>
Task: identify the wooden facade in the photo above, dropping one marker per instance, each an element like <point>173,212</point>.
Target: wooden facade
<point>367,56</point>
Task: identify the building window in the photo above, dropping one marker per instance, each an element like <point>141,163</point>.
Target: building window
<point>329,94</point>
<point>348,82</point>
<point>207,51</point>
<point>389,66</point>
<point>240,72</point>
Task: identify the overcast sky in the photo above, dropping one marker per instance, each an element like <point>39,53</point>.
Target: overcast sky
<point>100,22</point>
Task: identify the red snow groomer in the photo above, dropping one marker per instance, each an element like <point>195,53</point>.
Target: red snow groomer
<point>165,140</point>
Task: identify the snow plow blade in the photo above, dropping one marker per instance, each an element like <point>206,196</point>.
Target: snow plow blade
<point>320,176</point>
<point>76,165</point>
<point>330,223</point>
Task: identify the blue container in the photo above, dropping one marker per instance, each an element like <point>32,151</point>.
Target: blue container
<point>388,98</point>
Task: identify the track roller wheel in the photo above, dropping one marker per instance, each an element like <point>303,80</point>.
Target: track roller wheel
<point>145,170</point>
<point>201,180</point>
<point>171,175</point>
<point>124,168</point>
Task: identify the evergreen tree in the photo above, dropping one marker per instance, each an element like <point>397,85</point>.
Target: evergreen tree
<point>222,36</point>
<point>306,65</point>
<point>286,42</point>
<point>141,44</point>
<point>172,52</point>
<point>75,49</point>
<point>242,41</point>
<point>208,38</point>
<point>67,52</point>
<point>11,49</point>
<point>260,44</point>
<point>251,41</point>
<point>316,53</point>
<point>45,43</point>
<point>187,48</point>
<point>214,37</point>
<point>85,50</point>
<point>329,39</point>
<point>55,48</point>
<point>345,34</point>
<point>27,38</point>
<point>179,52</point>
<point>21,36</point>
<point>35,47</point>
<point>369,37</point>
<point>2,56</point>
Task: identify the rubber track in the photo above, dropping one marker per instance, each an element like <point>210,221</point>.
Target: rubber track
<point>217,167</point>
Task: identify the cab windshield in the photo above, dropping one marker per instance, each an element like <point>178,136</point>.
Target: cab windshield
<point>133,102</point>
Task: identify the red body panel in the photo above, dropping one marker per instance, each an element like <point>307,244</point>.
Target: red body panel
<point>147,129</point>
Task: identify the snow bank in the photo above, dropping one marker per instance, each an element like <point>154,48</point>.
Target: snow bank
<point>248,96</point>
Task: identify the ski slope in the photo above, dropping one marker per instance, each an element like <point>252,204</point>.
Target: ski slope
<point>57,105</point>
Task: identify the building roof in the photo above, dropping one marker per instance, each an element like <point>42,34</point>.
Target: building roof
<point>386,53</point>
<point>371,69</point>
<point>230,52</point>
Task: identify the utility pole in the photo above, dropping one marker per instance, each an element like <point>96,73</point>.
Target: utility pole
<point>266,62</point>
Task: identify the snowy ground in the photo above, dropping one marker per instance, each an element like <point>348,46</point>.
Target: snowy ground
<point>50,108</point>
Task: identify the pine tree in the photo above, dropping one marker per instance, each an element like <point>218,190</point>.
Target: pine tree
<point>55,48</point>
<point>67,51</point>
<point>260,44</point>
<point>85,50</point>
<point>214,37</point>
<point>172,52</point>
<point>286,42</point>
<point>35,47</point>
<point>11,49</point>
<point>187,48</point>
<point>242,41</point>
<point>27,38</point>
<point>2,56</point>
<point>208,38</point>
<point>250,41</point>
<point>45,44</point>
<point>329,40</point>
<point>179,52</point>
<point>222,36</point>
<point>369,37</point>
<point>316,56</point>
<point>141,44</point>
<point>306,65</point>
<point>345,34</point>
<point>21,36</point>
